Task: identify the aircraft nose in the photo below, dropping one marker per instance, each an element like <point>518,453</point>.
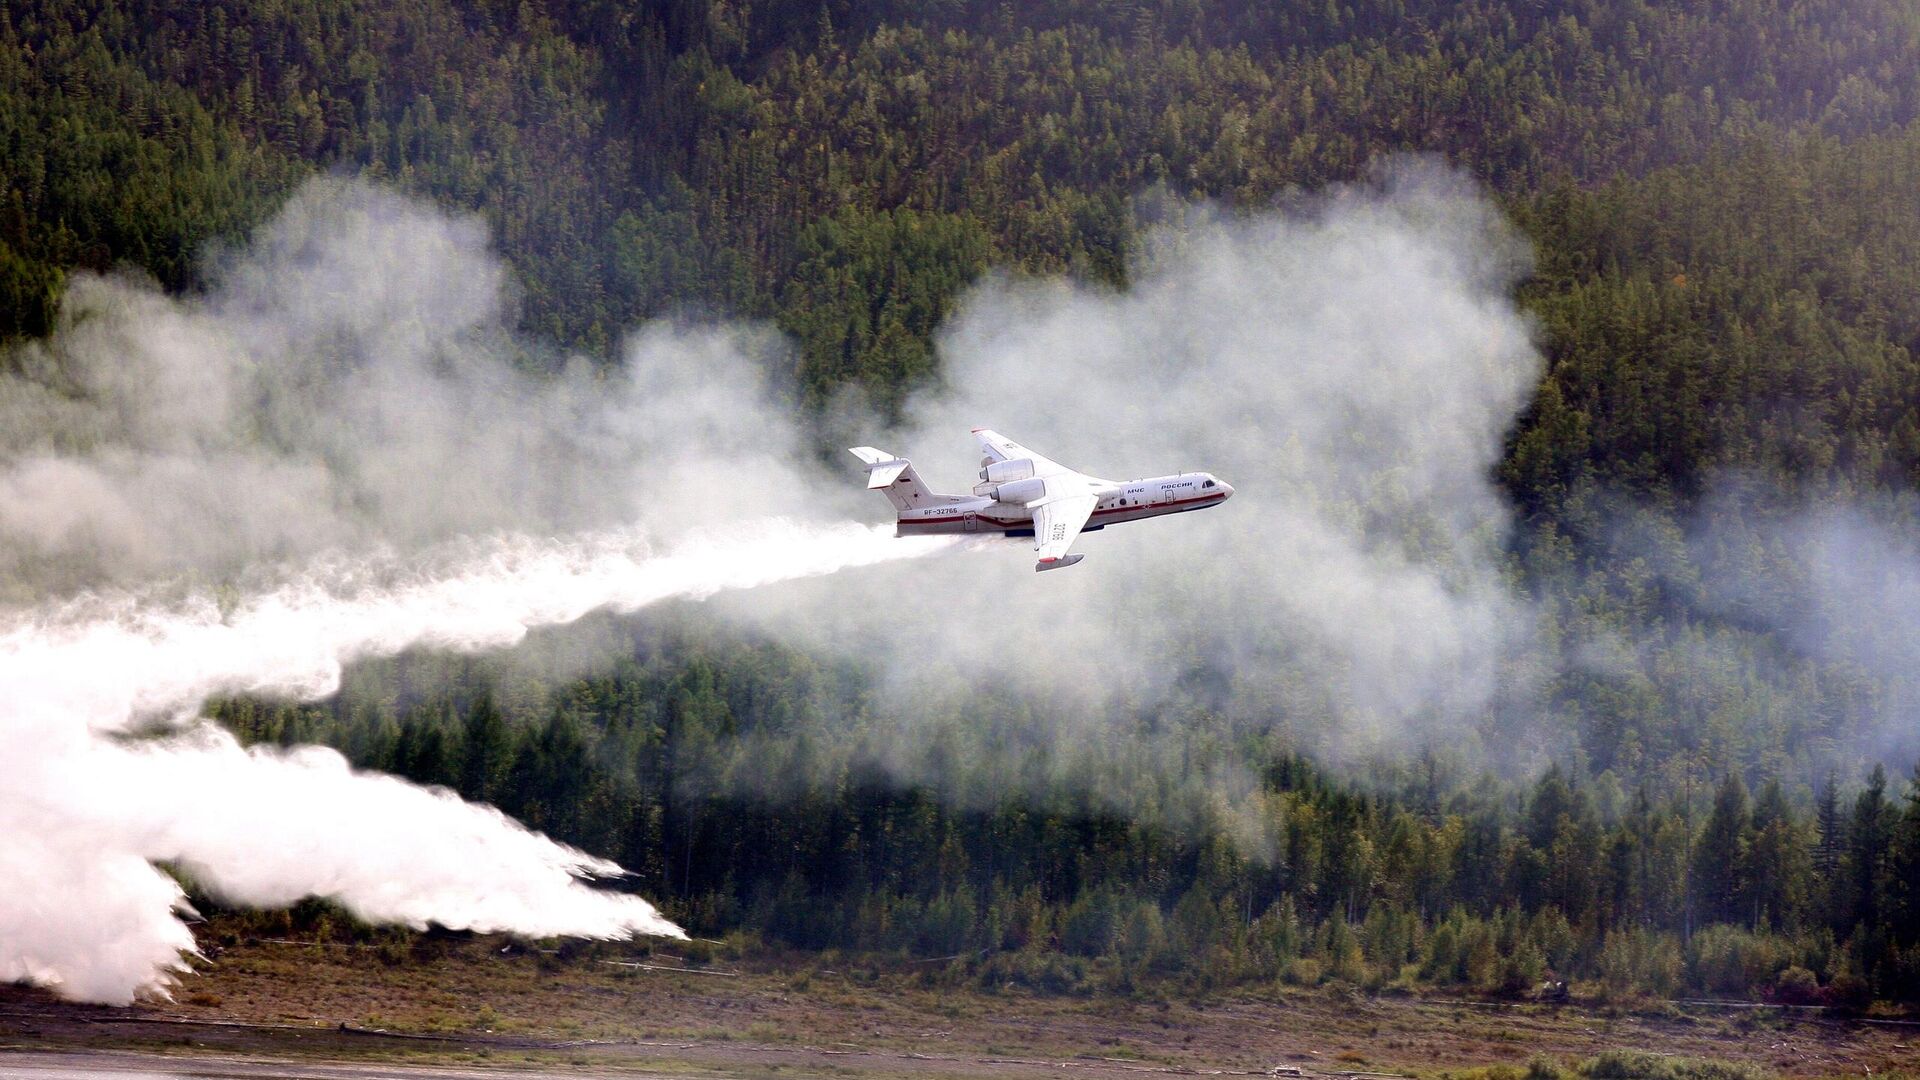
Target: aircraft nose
<point>1226,489</point>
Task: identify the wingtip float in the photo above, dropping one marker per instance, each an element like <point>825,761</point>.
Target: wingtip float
<point>1023,494</point>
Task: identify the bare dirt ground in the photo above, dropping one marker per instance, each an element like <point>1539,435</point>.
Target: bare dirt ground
<point>467,1003</point>
<point>133,1065</point>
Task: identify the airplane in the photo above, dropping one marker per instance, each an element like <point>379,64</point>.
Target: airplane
<point>1023,494</point>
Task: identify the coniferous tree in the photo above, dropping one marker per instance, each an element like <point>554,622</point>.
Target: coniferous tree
<point>1720,855</point>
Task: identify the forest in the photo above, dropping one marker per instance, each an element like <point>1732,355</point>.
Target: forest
<point>1723,203</point>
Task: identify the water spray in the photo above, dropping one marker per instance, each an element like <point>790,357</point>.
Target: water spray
<point>87,806</point>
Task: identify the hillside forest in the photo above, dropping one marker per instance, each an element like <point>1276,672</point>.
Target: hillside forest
<point>1723,202</point>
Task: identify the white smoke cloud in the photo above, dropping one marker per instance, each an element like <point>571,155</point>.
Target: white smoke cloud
<point>1352,367</point>
<point>85,810</point>
<point>207,482</point>
<point>1758,630</point>
<point>1864,576</point>
<point>1818,635</point>
<point>350,380</point>
<point>349,384</point>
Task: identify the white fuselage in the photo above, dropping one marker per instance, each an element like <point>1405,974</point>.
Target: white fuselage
<point>1120,501</point>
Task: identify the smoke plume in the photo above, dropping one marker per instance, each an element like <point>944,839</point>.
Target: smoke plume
<point>87,808</point>
<point>342,451</point>
<point>243,492</point>
<point>1351,367</point>
<point>350,380</point>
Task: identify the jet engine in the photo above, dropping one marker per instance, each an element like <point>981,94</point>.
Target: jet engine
<point>1021,492</point>
<point>1001,472</point>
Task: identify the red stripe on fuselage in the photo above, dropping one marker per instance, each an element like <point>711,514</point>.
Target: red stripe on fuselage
<point>990,524</point>
<point>1165,506</point>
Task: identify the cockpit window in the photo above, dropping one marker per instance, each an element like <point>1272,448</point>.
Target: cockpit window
<point>1208,484</point>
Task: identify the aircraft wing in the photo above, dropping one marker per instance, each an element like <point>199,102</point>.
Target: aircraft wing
<point>1057,521</point>
<point>1000,448</point>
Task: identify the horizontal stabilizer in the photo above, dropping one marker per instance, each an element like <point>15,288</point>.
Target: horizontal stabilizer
<point>1055,564</point>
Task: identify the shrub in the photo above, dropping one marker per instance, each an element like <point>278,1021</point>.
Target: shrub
<point>1087,929</point>
<point>1304,971</point>
<point>1796,986</point>
<point>1143,935</point>
<point>1640,1065</point>
<point>1849,991</point>
<point>1044,972</point>
<point>1544,1068</point>
<point>1638,960</point>
<point>1728,960</point>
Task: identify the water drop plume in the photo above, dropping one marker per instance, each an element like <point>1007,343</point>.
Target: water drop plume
<point>112,769</point>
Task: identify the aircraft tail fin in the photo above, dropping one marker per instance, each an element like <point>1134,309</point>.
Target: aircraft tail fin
<point>895,477</point>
